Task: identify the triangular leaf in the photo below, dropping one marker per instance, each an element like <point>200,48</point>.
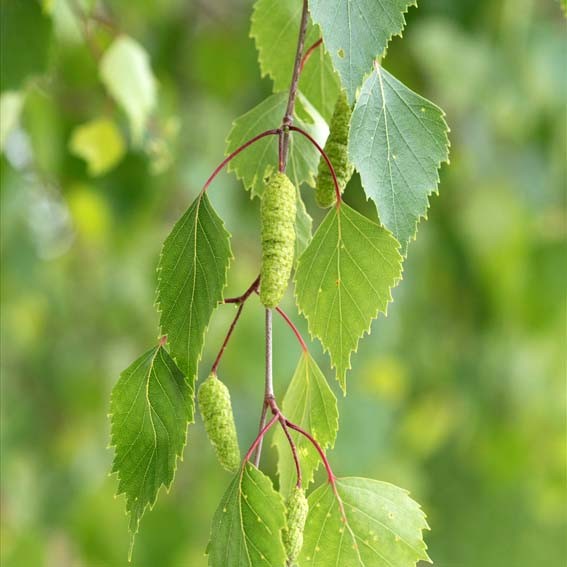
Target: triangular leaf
<point>275,28</point>
<point>125,71</point>
<point>382,526</point>
<point>257,162</point>
<point>356,32</point>
<point>398,140</point>
<point>343,280</point>
<point>311,404</point>
<point>192,275</point>
<point>150,407</point>
<point>247,525</point>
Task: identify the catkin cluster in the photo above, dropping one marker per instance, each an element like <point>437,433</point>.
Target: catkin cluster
<point>278,237</point>
<point>216,411</point>
<point>297,509</point>
<point>336,149</point>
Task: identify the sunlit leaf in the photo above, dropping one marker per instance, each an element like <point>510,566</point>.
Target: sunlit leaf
<point>343,279</point>
<point>151,405</point>
<point>311,404</point>
<point>100,143</point>
<point>192,274</point>
<point>398,140</point>
<point>11,103</point>
<point>356,32</point>
<point>382,526</point>
<point>247,525</point>
<point>125,70</point>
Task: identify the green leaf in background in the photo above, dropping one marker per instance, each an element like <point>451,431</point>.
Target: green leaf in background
<point>311,404</point>
<point>275,28</point>
<point>303,227</point>
<point>192,274</point>
<point>125,71</point>
<point>100,143</point>
<point>356,32</point>
<point>11,103</point>
<point>398,140</point>
<point>257,162</point>
<point>151,406</point>
<point>343,279</point>
<point>24,42</point>
<point>247,525</point>
<point>382,526</point>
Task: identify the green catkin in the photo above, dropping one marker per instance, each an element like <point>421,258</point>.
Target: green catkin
<point>297,508</point>
<point>336,149</point>
<point>216,411</point>
<point>277,213</point>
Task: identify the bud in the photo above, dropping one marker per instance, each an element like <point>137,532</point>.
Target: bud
<point>336,149</point>
<point>297,508</point>
<point>277,213</point>
<point>216,411</point>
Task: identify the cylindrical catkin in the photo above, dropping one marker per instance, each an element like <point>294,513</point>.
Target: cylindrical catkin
<point>277,213</point>
<point>297,509</point>
<point>216,411</point>
<point>336,149</point>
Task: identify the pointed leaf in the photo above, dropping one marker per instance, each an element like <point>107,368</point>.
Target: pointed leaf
<point>125,71</point>
<point>247,525</point>
<point>382,526</point>
<point>192,275</point>
<point>398,140</point>
<point>311,404</point>
<point>343,279</point>
<point>356,32</point>
<point>151,405</point>
<point>303,227</point>
<point>275,28</point>
<point>257,162</point>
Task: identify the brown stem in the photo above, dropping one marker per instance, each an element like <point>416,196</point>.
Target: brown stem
<point>308,53</point>
<point>227,338</point>
<point>288,117</point>
<point>293,449</point>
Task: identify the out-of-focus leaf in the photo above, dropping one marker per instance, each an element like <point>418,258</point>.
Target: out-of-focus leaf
<point>100,143</point>
<point>247,525</point>
<point>398,141</point>
<point>343,280</point>
<point>24,42</point>
<point>10,108</point>
<point>125,70</point>
<point>381,526</point>
<point>356,32</point>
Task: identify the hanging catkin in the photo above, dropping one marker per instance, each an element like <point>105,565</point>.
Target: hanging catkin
<point>292,536</point>
<point>216,411</point>
<point>336,149</point>
<point>278,237</point>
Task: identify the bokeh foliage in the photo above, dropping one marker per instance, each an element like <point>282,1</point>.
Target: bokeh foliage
<point>459,394</point>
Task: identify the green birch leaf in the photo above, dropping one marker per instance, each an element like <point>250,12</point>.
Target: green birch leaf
<point>303,227</point>
<point>100,143</point>
<point>356,32</point>
<point>247,525</point>
<point>382,526</point>
<point>311,404</point>
<point>275,28</point>
<point>343,279</point>
<point>192,274</point>
<point>397,142</point>
<point>151,406</point>
<point>126,73</point>
<point>257,162</point>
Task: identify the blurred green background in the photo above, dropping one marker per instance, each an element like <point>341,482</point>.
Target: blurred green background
<point>458,395</point>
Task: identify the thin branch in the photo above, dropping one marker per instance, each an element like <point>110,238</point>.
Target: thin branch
<point>262,424</point>
<point>293,449</point>
<point>242,298</point>
<point>260,436</point>
<point>269,382</point>
<point>326,158</point>
<point>308,53</point>
<point>293,328</point>
<point>227,338</point>
<point>235,153</point>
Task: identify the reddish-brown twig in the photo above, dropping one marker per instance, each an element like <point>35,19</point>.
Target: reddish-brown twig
<point>309,52</point>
